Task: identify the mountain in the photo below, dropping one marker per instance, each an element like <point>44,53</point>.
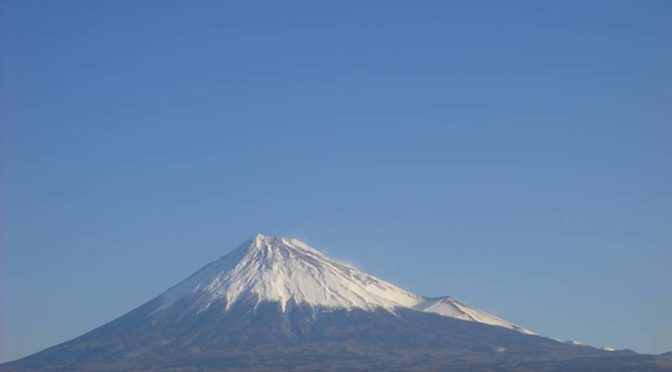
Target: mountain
<point>279,304</point>
<point>285,271</point>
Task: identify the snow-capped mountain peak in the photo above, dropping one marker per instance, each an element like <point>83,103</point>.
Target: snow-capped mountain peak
<point>283,270</point>
<point>287,270</point>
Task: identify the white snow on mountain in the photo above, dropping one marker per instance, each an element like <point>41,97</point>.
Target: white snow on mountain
<point>286,269</point>
<point>448,306</point>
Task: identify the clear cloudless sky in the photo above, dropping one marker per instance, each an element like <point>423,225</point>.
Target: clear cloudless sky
<point>515,155</point>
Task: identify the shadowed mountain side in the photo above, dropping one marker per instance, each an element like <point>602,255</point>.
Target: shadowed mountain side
<point>305,338</point>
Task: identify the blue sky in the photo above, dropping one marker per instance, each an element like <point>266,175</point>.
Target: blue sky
<point>514,155</point>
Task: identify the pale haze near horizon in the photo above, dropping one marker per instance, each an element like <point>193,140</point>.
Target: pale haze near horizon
<point>515,156</point>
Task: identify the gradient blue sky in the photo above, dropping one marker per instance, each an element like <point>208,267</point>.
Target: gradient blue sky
<point>516,156</point>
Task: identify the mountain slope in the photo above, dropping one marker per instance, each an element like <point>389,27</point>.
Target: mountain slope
<point>269,269</point>
<point>448,306</point>
<point>278,304</point>
<point>284,269</point>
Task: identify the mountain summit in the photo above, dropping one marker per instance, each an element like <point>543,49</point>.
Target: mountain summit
<point>279,304</point>
<point>288,271</point>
